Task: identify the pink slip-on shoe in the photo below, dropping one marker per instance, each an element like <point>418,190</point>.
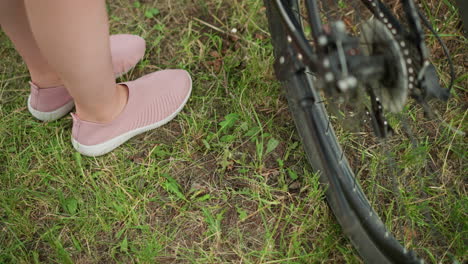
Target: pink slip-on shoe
<point>49,104</point>
<point>153,100</point>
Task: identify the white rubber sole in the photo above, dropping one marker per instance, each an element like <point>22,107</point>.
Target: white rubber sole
<point>108,146</point>
<point>51,116</point>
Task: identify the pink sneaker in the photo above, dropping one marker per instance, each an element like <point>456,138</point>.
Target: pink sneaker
<point>49,104</point>
<point>153,100</point>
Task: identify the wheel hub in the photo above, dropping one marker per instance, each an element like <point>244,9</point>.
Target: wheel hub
<point>392,88</point>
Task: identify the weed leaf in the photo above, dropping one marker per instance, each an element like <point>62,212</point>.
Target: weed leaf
<point>271,145</point>
<point>227,138</point>
<point>136,4</point>
<point>242,213</point>
<point>71,204</point>
<point>124,245</point>
<point>228,122</point>
<point>253,131</point>
<point>150,13</point>
<point>292,174</point>
<point>171,185</point>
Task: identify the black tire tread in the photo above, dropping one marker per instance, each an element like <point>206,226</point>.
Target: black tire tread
<point>325,155</point>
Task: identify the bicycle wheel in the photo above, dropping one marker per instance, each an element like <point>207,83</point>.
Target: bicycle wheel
<point>311,109</point>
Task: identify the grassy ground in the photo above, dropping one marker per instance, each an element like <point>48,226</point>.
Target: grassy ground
<point>227,181</point>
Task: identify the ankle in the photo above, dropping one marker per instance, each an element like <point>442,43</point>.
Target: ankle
<point>105,113</point>
<point>121,100</point>
<point>46,80</point>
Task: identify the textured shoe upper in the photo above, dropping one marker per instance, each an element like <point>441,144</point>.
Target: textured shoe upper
<point>151,99</point>
<point>48,99</point>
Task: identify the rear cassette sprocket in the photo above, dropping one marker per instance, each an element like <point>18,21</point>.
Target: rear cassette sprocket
<point>392,89</point>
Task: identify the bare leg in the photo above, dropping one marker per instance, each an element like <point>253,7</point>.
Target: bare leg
<point>74,38</point>
<point>14,22</point>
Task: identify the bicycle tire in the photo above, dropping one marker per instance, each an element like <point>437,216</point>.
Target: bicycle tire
<point>345,197</point>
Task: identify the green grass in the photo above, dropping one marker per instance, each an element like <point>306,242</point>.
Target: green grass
<point>227,181</point>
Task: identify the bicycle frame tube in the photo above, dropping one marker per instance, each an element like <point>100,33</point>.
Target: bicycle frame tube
<point>314,19</point>
<point>297,52</point>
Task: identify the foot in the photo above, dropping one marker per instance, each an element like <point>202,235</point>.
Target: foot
<point>153,100</point>
<point>49,104</point>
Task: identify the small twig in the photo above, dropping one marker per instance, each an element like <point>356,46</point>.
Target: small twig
<point>213,27</point>
<point>223,31</point>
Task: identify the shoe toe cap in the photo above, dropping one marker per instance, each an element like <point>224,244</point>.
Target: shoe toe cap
<point>174,81</point>
<point>181,82</point>
<point>126,51</point>
<point>167,90</point>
